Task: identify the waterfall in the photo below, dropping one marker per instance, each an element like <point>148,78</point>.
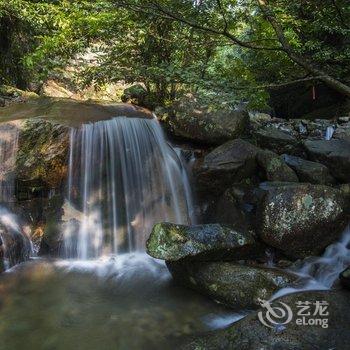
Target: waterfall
<point>123,178</point>
<point>329,133</point>
<point>8,151</point>
<point>325,270</point>
<point>15,246</point>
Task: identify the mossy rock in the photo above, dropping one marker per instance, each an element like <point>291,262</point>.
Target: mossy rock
<point>43,152</point>
<point>173,242</point>
<point>211,125</point>
<point>10,95</point>
<point>274,168</point>
<point>236,286</point>
<point>301,219</point>
<point>250,334</point>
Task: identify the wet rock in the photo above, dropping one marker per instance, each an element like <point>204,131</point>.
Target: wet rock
<point>236,286</point>
<point>343,132</point>
<point>202,124</point>
<point>173,242</point>
<point>301,219</point>
<point>14,246</point>
<point>277,141</point>
<point>229,163</point>
<point>308,171</point>
<point>335,154</point>
<point>71,112</point>
<point>42,153</point>
<point>274,168</point>
<point>251,334</point>
<point>231,208</point>
<point>345,190</point>
<point>345,278</point>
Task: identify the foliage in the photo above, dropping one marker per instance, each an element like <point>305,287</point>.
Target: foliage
<point>219,49</point>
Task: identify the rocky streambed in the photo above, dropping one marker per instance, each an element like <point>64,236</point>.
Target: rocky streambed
<point>270,196</point>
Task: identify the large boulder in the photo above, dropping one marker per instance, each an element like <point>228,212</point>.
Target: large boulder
<point>274,168</point>
<point>335,154</point>
<point>229,163</point>
<point>199,123</point>
<point>236,286</point>
<point>277,141</point>
<point>172,242</point>
<point>301,219</point>
<point>308,171</point>
<point>251,334</point>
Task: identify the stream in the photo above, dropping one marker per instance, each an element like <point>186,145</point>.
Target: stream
<point>103,291</point>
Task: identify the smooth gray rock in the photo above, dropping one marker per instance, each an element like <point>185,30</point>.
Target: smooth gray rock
<point>308,171</point>
<point>335,154</point>
<point>277,141</point>
<point>230,163</point>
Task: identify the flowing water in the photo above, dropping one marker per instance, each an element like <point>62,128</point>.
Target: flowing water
<point>329,133</point>
<point>105,293</point>
<point>126,302</point>
<point>320,273</point>
<point>15,246</point>
<point>123,178</point>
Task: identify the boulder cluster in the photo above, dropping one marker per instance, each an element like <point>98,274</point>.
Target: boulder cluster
<point>269,192</point>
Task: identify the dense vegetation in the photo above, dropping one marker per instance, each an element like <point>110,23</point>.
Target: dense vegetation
<point>235,49</point>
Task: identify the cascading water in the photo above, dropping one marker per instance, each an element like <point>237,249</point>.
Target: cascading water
<point>320,273</point>
<point>15,246</point>
<point>329,133</point>
<point>123,178</point>
<point>8,150</point>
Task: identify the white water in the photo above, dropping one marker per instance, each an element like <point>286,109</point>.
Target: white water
<point>329,133</point>
<point>320,273</point>
<point>15,246</point>
<point>123,178</point>
<point>8,149</point>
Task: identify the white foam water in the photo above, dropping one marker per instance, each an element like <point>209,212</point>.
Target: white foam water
<point>14,243</point>
<point>329,133</point>
<point>320,273</point>
<point>123,178</point>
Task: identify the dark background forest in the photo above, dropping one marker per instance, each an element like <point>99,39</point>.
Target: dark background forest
<point>290,58</point>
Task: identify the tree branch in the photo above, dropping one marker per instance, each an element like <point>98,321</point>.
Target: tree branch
<point>155,7</point>
<point>301,61</point>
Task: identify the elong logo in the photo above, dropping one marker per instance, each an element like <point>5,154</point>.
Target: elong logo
<point>278,314</point>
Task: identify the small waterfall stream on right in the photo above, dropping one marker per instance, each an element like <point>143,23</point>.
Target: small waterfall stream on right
<point>320,273</point>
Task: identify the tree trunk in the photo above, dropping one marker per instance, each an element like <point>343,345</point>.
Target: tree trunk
<point>301,61</point>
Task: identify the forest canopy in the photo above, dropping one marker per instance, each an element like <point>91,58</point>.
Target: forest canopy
<point>235,50</point>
